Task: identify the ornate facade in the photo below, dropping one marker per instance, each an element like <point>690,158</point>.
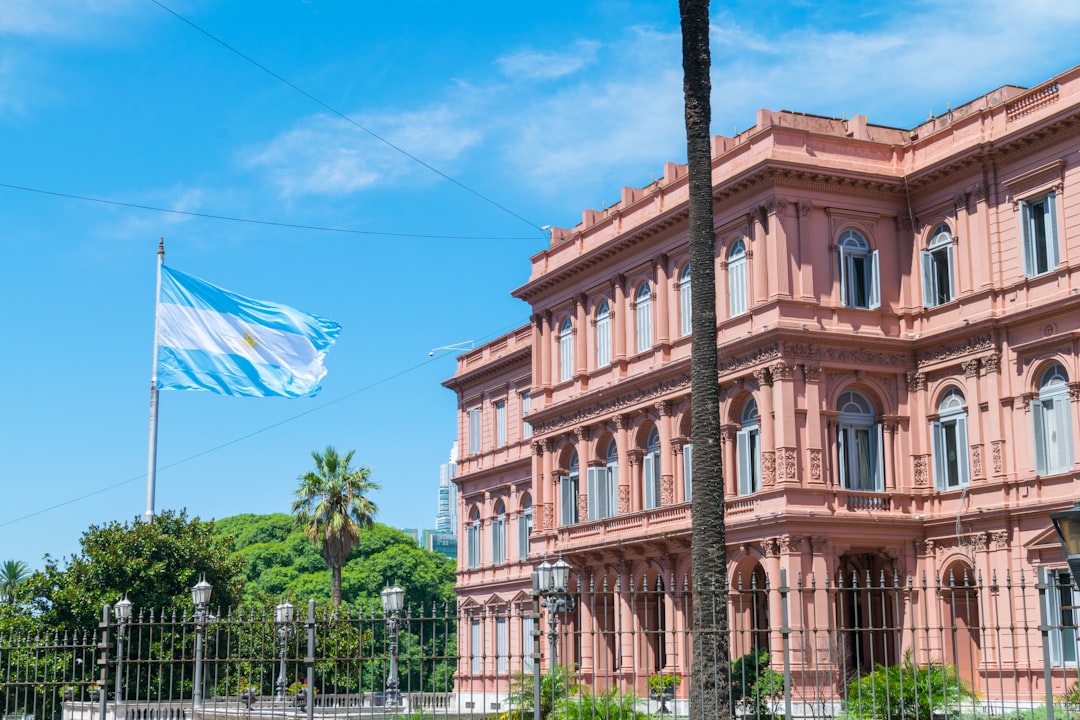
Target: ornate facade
<point>899,341</point>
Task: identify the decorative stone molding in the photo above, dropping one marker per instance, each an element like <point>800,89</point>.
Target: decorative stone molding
<point>916,382</point>
<point>548,517</point>
<point>978,191</point>
<point>803,207</point>
<point>999,540</point>
<point>757,357</point>
<point>995,453</point>
<point>583,506</point>
<point>947,352</point>
<point>978,541</point>
<point>624,499</point>
<point>622,422</point>
<point>537,448</point>
<point>924,547</point>
<point>785,462</point>
<point>664,407</point>
<point>768,469</point>
<point>1074,391</point>
<point>789,544</point>
<point>582,433</point>
<point>971,367</point>
<point>763,376</point>
<point>991,363</point>
<point>860,356</point>
<point>783,371</point>
<point>976,460</point>
<point>815,464</point>
<point>634,397</point>
<point>811,373</point>
<point>667,490</point>
<point>775,206</point>
<point>922,466</point>
<point>770,547</point>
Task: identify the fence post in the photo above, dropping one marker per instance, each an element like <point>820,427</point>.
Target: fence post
<point>309,659</point>
<point>1044,629</point>
<point>785,633</point>
<point>537,634</point>
<point>103,662</point>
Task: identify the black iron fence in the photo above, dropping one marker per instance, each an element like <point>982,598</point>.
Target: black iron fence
<point>858,646</point>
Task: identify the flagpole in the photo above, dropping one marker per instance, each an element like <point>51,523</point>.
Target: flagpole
<point>151,469</point>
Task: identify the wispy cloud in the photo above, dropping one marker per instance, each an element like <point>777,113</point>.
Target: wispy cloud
<point>530,64</point>
<point>57,17</point>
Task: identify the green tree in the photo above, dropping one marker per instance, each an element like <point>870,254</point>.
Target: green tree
<point>12,573</point>
<point>710,696</point>
<point>332,506</point>
<point>154,563</point>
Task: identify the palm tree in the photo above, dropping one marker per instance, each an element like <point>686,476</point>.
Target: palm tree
<point>332,506</point>
<point>709,696</point>
<point>12,573</point>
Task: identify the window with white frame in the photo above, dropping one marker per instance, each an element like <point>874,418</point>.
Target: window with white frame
<point>472,540</point>
<point>566,350</point>
<point>528,642</point>
<point>498,534</point>
<point>524,527</point>
<point>859,443</point>
<point>526,408</point>
<point>1061,601</point>
<point>950,442</point>
<point>476,647</point>
<point>686,305</point>
<point>736,274</point>
<point>500,423</point>
<point>688,471</point>
<point>474,431</point>
<point>937,268</point>
<point>858,271</point>
<point>643,315</point>
<point>748,450</point>
<point>502,646</point>
<point>1038,223</point>
<point>568,492</point>
<point>1053,429</point>
<point>651,470</point>
<point>603,335</point>
<point>603,481</point>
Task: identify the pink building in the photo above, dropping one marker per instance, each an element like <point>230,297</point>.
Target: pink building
<point>899,339</point>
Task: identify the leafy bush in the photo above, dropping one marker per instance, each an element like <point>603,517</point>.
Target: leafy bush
<point>610,705</point>
<point>906,692</point>
<point>663,682</point>
<point>755,687</point>
<point>556,685</point>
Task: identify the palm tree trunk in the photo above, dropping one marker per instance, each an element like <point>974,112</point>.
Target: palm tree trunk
<point>709,692</point>
<point>335,584</point>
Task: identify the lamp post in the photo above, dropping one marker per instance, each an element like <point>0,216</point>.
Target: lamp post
<point>1067,524</point>
<point>122,612</point>
<point>283,617</point>
<point>551,580</point>
<point>392,599</point>
<point>200,596</point>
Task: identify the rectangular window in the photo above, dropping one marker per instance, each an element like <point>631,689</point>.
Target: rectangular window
<point>643,313</point>
<point>601,493</point>
<point>937,276</point>
<point>528,644</point>
<point>737,291</point>
<point>686,307</point>
<point>568,490</point>
<point>526,407</point>
<point>475,647</point>
<point>859,279</point>
<point>860,457</point>
<point>652,480</point>
<point>603,340</point>
<point>502,647</point>
<point>1053,435</point>
<point>472,545</point>
<point>1061,601</point>
<point>749,457</point>
<point>566,353</point>
<point>688,470</point>
<point>500,423</point>
<point>498,541</point>
<point>1038,220</point>
<point>950,453</point>
<point>474,431</point>
<point>524,525</point>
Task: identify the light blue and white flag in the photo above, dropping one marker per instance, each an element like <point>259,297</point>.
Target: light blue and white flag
<point>213,339</point>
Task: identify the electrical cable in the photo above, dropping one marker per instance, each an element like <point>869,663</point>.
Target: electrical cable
<point>294,226</point>
<point>343,116</point>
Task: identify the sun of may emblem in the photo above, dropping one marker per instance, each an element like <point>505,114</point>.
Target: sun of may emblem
<point>250,340</point>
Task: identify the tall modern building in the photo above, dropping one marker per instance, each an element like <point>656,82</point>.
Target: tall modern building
<point>899,376</point>
<point>446,518</point>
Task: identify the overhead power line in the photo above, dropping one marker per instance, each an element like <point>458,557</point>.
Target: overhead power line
<point>297,226</point>
<point>343,116</point>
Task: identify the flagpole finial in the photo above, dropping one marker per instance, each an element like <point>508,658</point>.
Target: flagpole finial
<point>161,247</point>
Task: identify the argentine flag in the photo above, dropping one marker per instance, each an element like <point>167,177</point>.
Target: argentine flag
<point>213,339</point>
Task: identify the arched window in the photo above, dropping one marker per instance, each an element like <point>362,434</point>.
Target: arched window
<point>472,540</point>
<point>603,481</point>
<point>685,302</point>
<point>603,335</point>
<point>748,444</point>
<point>859,444</point>
<point>950,442</point>
<point>568,491</point>
<point>736,274</point>
<point>937,268</point>
<point>566,350</point>
<point>1053,430</point>
<point>498,535</point>
<point>858,271</point>
<point>524,527</point>
<point>651,471</point>
<point>643,315</point>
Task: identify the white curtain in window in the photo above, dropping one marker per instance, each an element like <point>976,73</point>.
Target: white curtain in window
<point>643,313</point>
<point>603,336</point>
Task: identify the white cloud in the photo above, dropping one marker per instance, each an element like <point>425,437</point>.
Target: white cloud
<point>57,17</point>
<point>529,64</point>
<point>138,225</point>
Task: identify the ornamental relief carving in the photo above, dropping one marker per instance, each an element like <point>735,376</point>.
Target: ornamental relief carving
<point>786,462</point>
<point>815,465</point>
<point>916,381</point>
<point>861,356</point>
<point>739,362</point>
<point>995,453</point>
<point>991,363</point>
<point>583,507</point>
<point>976,460</point>
<point>667,490</point>
<point>768,468</point>
<point>624,499</point>
<point>999,540</point>
<point>945,352</point>
<point>922,465</point>
<point>548,517</point>
<point>978,541</point>
<point>626,400</point>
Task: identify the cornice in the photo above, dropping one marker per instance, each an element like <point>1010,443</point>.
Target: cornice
<point>458,382</point>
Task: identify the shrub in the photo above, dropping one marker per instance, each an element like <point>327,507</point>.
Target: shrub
<point>755,687</point>
<point>609,705</point>
<point>558,683</point>
<point>663,682</point>
<point>906,692</point>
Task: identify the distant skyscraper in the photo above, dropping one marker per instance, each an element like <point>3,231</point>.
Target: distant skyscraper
<point>446,518</point>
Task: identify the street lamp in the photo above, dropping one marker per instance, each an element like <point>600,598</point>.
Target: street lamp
<point>200,595</point>
<point>551,581</point>
<point>283,617</point>
<point>1067,524</point>
<point>122,611</point>
<point>392,600</point>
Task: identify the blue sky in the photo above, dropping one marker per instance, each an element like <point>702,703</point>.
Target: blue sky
<point>536,110</point>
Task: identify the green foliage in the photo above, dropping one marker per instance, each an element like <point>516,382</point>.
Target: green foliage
<point>610,705</point>
<point>12,573</point>
<point>906,692</point>
<point>663,682</point>
<point>155,563</point>
<point>755,687</point>
<point>556,685</point>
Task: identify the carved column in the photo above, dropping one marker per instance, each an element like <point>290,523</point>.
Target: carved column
<point>728,435</point>
<point>785,436</point>
<point>626,475</point>
<point>814,443</point>
<point>667,483</point>
<point>539,473</point>
<point>767,422</point>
